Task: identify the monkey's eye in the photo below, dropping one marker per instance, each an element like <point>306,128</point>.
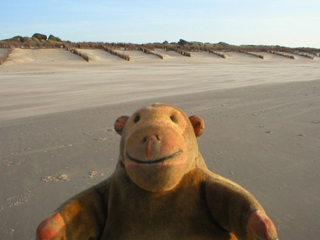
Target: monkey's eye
<point>174,119</point>
<point>136,119</point>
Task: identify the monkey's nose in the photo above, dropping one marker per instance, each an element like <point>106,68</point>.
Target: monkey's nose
<point>154,138</point>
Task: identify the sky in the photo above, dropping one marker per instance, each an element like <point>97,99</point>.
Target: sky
<point>290,23</point>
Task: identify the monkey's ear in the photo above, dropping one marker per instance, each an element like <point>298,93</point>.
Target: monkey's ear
<point>198,125</point>
<point>119,124</point>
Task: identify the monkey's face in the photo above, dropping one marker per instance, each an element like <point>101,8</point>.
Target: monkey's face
<point>158,145</point>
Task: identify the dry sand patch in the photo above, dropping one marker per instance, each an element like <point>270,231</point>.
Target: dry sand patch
<point>170,54</point>
<point>139,55</point>
<point>203,55</point>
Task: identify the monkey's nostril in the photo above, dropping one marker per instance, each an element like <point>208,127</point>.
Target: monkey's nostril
<point>157,136</point>
<point>144,140</point>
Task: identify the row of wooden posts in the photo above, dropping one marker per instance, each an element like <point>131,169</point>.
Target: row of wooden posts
<point>147,51</point>
<point>188,54</point>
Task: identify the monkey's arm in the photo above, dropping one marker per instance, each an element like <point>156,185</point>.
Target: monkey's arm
<point>237,211</point>
<point>81,217</point>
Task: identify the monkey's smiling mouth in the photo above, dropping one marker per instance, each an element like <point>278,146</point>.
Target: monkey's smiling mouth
<point>153,161</point>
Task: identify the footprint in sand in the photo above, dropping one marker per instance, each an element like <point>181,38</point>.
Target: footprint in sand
<point>62,177</point>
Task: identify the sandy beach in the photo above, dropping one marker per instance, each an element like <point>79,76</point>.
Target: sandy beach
<point>57,112</point>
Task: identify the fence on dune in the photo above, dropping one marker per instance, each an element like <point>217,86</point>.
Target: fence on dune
<point>282,54</point>
<point>305,55</point>
<point>252,54</point>
<point>147,51</point>
<point>182,52</point>
<point>217,53</point>
<point>80,54</point>
<point>113,52</point>
<point>6,56</point>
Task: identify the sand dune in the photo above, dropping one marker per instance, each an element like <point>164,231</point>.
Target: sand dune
<point>57,113</point>
<point>97,55</point>
<point>169,54</point>
<point>205,55</point>
<point>138,55</point>
<point>41,56</point>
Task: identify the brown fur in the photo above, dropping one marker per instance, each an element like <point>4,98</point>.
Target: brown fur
<point>151,196</point>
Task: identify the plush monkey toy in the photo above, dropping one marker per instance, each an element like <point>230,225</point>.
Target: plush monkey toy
<point>161,190</point>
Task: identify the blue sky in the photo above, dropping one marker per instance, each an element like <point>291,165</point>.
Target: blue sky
<point>292,23</point>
